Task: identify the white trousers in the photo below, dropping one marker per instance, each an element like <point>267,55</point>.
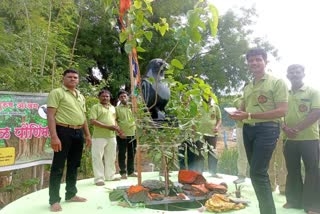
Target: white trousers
<point>104,149</point>
<point>277,168</point>
<point>242,162</point>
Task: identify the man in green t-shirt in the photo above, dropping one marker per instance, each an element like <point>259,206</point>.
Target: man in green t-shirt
<point>126,140</point>
<point>104,144</point>
<point>265,101</point>
<point>68,125</point>
<point>302,131</point>
<point>209,125</point>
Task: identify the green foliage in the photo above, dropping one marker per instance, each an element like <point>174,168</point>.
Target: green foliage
<point>227,163</point>
<point>36,35</point>
<point>182,111</point>
<point>23,186</point>
<point>223,61</point>
<point>85,169</point>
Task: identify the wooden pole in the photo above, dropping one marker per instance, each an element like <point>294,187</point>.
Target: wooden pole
<point>34,175</point>
<point>134,110</point>
<point>41,176</point>
<point>133,82</point>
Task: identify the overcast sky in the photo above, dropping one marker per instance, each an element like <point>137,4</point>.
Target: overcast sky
<point>292,27</point>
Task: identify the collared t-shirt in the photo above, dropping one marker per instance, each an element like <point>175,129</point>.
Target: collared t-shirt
<point>301,103</point>
<point>105,115</point>
<point>263,96</point>
<point>208,120</point>
<point>237,103</point>
<point>70,108</point>
<point>125,119</point>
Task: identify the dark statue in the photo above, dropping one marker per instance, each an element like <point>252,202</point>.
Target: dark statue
<point>155,91</point>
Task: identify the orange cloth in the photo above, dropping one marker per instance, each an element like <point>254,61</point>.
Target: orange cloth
<point>190,177</point>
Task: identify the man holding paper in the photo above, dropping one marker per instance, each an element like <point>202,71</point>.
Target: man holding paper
<point>265,101</point>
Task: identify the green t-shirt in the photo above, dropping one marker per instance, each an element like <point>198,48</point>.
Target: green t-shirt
<point>125,120</point>
<point>237,103</point>
<point>301,103</point>
<point>208,120</point>
<point>106,116</point>
<point>263,96</point>
<point>70,108</point>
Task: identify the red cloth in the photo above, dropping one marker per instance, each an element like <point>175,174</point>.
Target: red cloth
<point>190,177</point>
<point>217,188</point>
<point>124,6</point>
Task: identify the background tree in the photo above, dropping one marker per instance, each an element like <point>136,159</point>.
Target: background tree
<point>222,62</point>
<point>38,36</point>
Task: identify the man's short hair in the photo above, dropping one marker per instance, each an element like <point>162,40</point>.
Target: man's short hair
<point>122,92</point>
<point>293,66</point>
<point>104,91</point>
<point>257,52</point>
<point>70,70</point>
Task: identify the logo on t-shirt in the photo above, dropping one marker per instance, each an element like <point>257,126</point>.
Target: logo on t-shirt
<point>213,116</point>
<point>262,99</point>
<point>303,108</point>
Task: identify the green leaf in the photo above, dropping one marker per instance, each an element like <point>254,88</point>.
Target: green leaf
<point>128,47</point>
<point>215,20</point>
<point>195,35</point>
<point>163,29</point>
<point>176,63</point>
<point>137,4</point>
<point>169,72</point>
<point>193,108</point>
<point>140,49</point>
<point>148,35</point>
<point>123,36</point>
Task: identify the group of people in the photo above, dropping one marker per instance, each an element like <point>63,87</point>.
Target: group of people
<point>113,127</point>
<point>268,107</point>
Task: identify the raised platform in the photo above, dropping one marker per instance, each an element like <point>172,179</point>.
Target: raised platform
<point>98,200</point>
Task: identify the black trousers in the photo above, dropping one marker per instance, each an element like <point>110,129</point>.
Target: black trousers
<point>259,142</point>
<point>72,141</point>
<point>182,148</point>
<point>126,151</point>
<point>298,193</point>
<point>212,158</point>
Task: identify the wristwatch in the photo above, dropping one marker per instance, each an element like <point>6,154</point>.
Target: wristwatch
<point>249,116</point>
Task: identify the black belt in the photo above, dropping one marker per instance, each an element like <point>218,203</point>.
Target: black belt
<point>265,124</point>
<point>70,126</point>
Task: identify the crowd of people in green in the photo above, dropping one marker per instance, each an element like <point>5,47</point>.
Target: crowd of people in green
<point>268,107</point>
<point>270,118</point>
<point>113,127</point>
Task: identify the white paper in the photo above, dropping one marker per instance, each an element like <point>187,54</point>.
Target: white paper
<point>230,110</point>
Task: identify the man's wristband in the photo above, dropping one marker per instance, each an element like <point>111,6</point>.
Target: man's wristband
<point>249,116</point>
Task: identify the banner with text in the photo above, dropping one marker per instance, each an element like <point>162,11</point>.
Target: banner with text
<point>24,133</point>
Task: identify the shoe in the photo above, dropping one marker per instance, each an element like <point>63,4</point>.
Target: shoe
<point>216,176</point>
<point>100,183</point>
<point>55,207</point>
<point>133,175</point>
<point>124,176</point>
<point>291,206</point>
<point>239,180</point>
